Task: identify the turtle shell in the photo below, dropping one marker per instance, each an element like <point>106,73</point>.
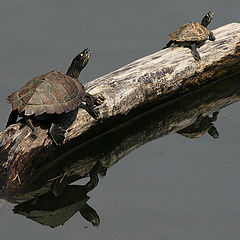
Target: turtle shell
<point>195,132</point>
<point>192,134</point>
<point>190,32</point>
<point>50,93</point>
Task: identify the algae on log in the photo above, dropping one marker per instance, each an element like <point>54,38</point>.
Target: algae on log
<point>128,91</point>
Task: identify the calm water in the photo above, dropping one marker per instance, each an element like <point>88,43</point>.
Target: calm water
<point>171,188</point>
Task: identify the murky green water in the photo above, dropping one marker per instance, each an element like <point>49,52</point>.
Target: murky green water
<point>170,186</point>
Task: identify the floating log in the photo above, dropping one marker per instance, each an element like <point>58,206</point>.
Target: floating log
<point>128,92</point>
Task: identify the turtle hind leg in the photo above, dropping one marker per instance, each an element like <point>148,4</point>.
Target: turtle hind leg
<point>12,117</point>
<point>57,134</point>
<point>195,52</point>
<point>89,99</point>
<point>168,44</point>
<point>211,37</point>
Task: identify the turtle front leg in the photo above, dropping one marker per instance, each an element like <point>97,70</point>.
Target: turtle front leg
<point>168,44</point>
<point>12,118</point>
<point>195,52</point>
<point>89,100</point>
<point>211,37</point>
<point>98,99</point>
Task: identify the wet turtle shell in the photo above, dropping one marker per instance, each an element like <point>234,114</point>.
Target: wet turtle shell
<point>53,92</point>
<point>190,32</point>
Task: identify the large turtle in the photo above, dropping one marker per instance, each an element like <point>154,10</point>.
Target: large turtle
<point>51,94</point>
<point>200,127</point>
<point>192,35</point>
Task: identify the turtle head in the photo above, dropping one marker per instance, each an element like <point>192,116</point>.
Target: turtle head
<point>207,19</point>
<point>213,132</point>
<point>82,58</point>
<point>78,63</point>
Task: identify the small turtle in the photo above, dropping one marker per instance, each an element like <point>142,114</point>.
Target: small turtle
<point>192,35</point>
<point>50,95</point>
<point>200,127</point>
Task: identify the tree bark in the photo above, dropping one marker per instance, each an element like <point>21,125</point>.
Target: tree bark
<point>128,91</point>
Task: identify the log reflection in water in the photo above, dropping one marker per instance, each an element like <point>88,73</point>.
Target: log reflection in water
<point>53,209</point>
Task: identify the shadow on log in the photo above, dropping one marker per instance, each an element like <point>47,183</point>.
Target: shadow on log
<point>33,180</point>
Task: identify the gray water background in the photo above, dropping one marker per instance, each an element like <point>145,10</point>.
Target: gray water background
<point>171,188</point>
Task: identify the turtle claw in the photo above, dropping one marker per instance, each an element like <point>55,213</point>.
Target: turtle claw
<point>98,99</point>
<point>91,102</point>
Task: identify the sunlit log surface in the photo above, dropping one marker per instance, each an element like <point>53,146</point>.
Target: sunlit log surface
<point>128,92</point>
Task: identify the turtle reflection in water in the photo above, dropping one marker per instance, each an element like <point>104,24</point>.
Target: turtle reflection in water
<point>192,35</point>
<point>50,96</point>
<point>200,127</point>
<point>51,210</point>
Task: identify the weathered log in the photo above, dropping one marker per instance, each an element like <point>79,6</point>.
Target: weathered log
<point>132,89</point>
<point>110,147</point>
